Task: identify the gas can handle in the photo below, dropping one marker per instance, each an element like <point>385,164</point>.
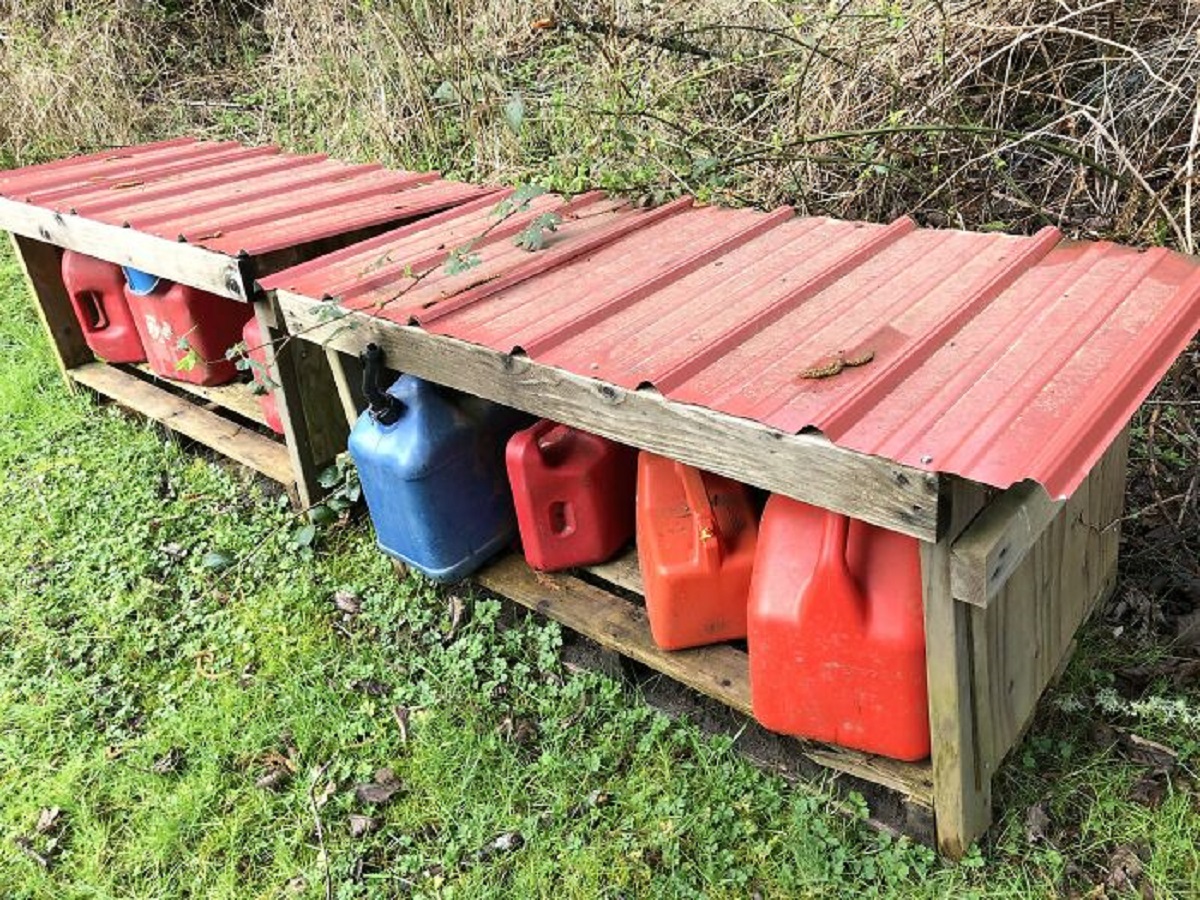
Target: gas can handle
<point>539,430</point>
<point>384,408</point>
<point>835,540</point>
<point>696,494</point>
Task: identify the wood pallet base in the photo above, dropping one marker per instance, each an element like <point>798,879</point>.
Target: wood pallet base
<point>183,415</point>
<point>709,685</point>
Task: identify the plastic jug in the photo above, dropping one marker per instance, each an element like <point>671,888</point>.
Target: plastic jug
<point>574,494</point>
<point>96,290</point>
<point>696,536</point>
<point>174,319</point>
<point>252,336</point>
<point>837,632</point>
<point>431,463</point>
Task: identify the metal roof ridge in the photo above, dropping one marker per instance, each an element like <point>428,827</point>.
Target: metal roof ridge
<point>101,191</point>
<point>680,269</point>
<point>551,259</point>
<point>1143,358</point>
<point>165,207</point>
<point>100,156</point>
<point>909,433</point>
<point>508,227</point>
<point>321,263</point>
<point>869,393</point>
<point>1001,416</point>
<point>703,358</point>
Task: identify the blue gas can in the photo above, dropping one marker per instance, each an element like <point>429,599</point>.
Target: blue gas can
<point>431,463</point>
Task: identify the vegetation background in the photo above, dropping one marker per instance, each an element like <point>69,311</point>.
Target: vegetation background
<point>991,114</point>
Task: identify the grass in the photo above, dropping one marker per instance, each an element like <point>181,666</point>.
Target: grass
<point>193,721</point>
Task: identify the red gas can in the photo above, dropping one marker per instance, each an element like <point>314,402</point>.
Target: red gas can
<point>836,632</point>
<point>174,319</point>
<point>574,494</point>
<point>252,336</point>
<point>696,534</point>
<point>96,290</point>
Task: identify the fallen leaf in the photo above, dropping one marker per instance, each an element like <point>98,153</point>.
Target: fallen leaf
<point>379,791</point>
<point>49,820</point>
<point>401,714</point>
<point>1149,753</point>
<point>169,762</point>
<point>1135,748</point>
<point>1037,821</point>
<point>506,842</point>
<point>347,602</point>
<point>1150,789</point>
<point>1187,631</point>
<point>361,825</point>
<point>519,731</point>
<point>1124,867</point>
<point>370,687</point>
<point>273,779</point>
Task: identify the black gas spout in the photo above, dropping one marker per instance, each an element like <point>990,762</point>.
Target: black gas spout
<point>384,408</point>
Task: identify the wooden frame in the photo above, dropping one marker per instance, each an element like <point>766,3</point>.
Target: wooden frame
<point>1009,576</point>
<point>223,418</point>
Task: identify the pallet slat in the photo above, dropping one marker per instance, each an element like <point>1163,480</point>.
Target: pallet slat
<point>237,397</point>
<point>721,671</point>
<point>228,438</point>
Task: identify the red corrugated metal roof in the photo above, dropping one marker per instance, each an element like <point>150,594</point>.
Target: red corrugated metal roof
<point>229,198</point>
<point>992,357</point>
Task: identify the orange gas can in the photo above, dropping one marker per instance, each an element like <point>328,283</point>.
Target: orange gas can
<point>696,535</point>
<point>837,633</point>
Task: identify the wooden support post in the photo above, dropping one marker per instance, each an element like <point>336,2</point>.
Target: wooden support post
<point>347,375</point>
<point>42,265</point>
<point>307,399</point>
<point>962,786</point>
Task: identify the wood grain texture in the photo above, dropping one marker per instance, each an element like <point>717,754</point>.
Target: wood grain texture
<point>183,416</point>
<point>42,266</point>
<point>807,467</point>
<point>237,397</point>
<point>176,261</point>
<point>987,554</point>
<point>347,378</point>
<point>624,571</point>
<point>962,789</point>
<point>1027,631</point>
<point>721,671</point>
<point>314,428</point>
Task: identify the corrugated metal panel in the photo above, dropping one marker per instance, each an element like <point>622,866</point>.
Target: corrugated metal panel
<point>992,357</point>
<point>229,198</point>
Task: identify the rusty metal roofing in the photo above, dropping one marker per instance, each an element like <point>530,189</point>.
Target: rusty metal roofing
<point>229,198</point>
<point>992,357</point>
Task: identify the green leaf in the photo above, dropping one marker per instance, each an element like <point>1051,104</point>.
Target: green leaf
<point>305,535</point>
<point>514,113</point>
<point>329,477</point>
<point>461,259</point>
<point>518,200</point>
<point>533,238</point>
<point>216,561</point>
<point>321,514</point>
<point>188,361</point>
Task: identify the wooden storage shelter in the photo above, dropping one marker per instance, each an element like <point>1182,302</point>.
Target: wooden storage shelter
<point>970,390</point>
<point>212,215</point>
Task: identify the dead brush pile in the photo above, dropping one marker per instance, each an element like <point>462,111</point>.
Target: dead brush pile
<point>990,114</point>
